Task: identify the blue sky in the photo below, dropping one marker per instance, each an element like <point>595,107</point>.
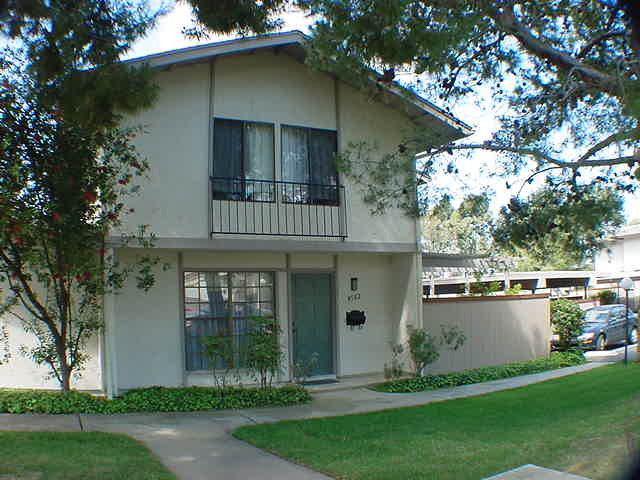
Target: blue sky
<point>480,113</point>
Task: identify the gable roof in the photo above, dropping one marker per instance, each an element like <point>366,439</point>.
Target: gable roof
<point>445,126</point>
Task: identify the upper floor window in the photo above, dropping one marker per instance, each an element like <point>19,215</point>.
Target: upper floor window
<point>308,162</point>
<point>243,160</point>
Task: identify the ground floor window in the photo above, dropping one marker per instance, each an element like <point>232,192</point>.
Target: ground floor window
<point>222,302</point>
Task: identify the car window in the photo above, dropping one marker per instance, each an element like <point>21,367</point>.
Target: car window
<point>596,316</point>
<point>617,313</point>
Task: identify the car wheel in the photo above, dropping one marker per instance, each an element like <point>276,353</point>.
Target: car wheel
<point>601,343</point>
<point>633,336</point>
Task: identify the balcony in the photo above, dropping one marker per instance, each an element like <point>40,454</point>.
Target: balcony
<point>268,207</point>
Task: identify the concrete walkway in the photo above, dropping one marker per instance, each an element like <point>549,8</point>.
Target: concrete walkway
<point>197,446</point>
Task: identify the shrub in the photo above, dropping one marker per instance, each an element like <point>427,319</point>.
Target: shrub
<point>607,297</point>
<point>151,399</point>
<point>566,319</point>
<point>424,348</point>
<point>484,374</point>
<point>395,369</point>
<point>303,369</point>
<point>264,353</point>
<point>515,290</point>
<point>220,351</point>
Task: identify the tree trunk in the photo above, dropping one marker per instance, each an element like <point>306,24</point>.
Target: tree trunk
<point>65,376</point>
<point>64,369</point>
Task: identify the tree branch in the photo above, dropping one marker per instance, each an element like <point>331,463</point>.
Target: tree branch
<point>530,177</point>
<point>580,163</point>
<point>598,39</point>
<point>507,20</point>
<point>613,138</point>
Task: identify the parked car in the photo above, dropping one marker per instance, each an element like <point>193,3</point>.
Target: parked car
<point>604,326</point>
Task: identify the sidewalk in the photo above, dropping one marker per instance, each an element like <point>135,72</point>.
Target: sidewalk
<point>197,446</point>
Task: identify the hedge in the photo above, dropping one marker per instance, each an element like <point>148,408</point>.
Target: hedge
<point>483,374</point>
<point>151,399</point>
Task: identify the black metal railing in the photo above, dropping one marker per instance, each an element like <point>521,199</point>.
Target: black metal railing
<point>269,207</point>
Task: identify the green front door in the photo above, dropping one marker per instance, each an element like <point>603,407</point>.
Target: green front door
<point>312,322</point>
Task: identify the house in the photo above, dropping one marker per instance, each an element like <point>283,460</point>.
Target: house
<point>620,258</point>
<point>253,217</point>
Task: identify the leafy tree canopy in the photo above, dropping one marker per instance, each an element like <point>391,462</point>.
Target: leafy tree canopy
<point>463,230</point>
<point>554,229</point>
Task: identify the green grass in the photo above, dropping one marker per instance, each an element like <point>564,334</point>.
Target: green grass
<point>581,423</point>
<point>78,455</point>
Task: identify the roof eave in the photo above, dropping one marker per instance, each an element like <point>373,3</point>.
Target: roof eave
<point>454,128</point>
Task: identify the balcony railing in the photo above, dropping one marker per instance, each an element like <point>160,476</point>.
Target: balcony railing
<point>269,207</point>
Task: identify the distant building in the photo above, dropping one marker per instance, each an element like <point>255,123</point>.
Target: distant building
<point>620,258</point>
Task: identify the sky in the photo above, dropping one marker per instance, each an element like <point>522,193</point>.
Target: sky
<point>481,113</point>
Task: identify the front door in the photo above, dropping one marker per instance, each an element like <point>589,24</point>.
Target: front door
<point>312,324</point>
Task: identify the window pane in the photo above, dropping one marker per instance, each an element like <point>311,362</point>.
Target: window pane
<point>324,176</point>
<point>213,314</point>
<point>237,280</point>
<point>258,161</point>
<point>252,294</point>
<point>295,164</point>
<point>191,295</point>
<point>239,295</point>
<point>191,310</point>
<point>266,309</point>
<point>216,279</point>
<point>258,151</point>
<point>191,279</point>
<point>227,159</point>
<point>216,295</point>
<point>253,308</point>
<point>240,310</point>
<point>266,294</point>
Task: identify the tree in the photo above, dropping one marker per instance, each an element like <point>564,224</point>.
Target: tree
<point>566,71</point>
<point>567,319</point>
<point>559,224</point>
<point>66,168</point>
<point>465,230</point>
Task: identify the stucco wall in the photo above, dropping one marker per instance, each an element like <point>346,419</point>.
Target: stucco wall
<point>262,86</point>
<point>620,255</point>
<point>388,311</point>
<point>22,372</point>
<point>498,330</point>
<point>147,329</point>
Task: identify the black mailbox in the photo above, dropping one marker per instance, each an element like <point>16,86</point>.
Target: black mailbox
<point>356,318</point>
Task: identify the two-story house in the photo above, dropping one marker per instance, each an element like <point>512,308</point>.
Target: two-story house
<point>254,218</point>
<point>620,258</point>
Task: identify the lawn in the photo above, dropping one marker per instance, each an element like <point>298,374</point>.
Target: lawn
<point>79,455</point>
<point>581,423</point>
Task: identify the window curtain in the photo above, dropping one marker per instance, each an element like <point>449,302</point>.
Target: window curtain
<point>258,161</point>
<point>227,160</point>
<point>295,164</point>
<point>324,176</point>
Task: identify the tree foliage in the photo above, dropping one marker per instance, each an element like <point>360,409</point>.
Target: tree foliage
<point>424,347</point>
<point>463,230</point>
<point>559,223</point>
<point>66,168</point>
<point>567,319</point>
